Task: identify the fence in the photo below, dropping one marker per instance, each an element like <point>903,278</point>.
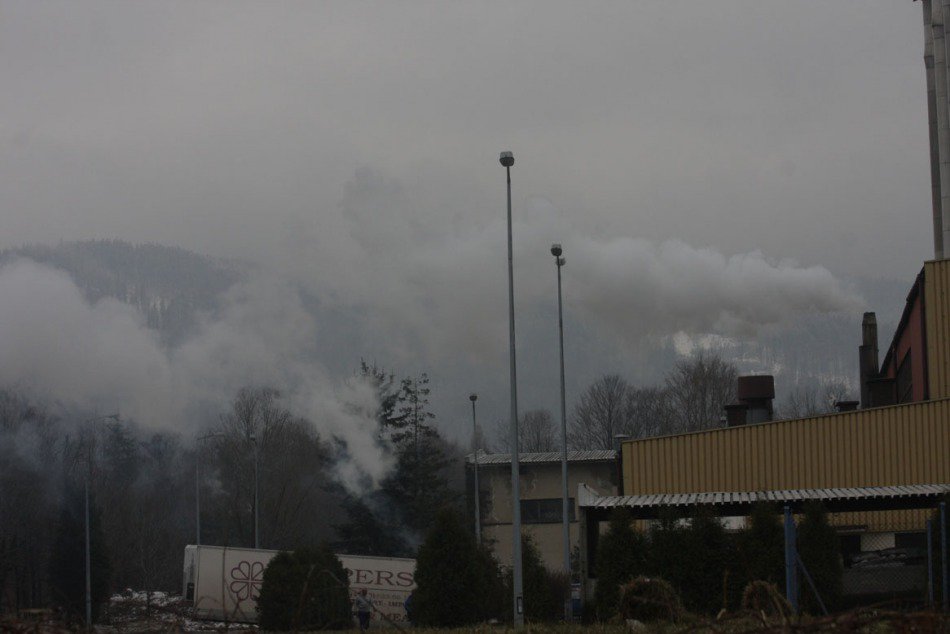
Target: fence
<point>908,570</point>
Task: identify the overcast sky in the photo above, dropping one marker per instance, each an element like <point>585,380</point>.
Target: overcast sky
<point>688,155</point>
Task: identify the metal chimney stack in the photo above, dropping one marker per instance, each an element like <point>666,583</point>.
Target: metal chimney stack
<point>932,127</point>
<point>936,55</point>
<point>868,357</point>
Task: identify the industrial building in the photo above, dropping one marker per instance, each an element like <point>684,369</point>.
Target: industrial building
<point>541,501</point>
<point>880,469</point>
<point>879,465</point>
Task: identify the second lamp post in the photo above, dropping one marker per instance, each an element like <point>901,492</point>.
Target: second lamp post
<point>556,251</point>
<point>507,159</point>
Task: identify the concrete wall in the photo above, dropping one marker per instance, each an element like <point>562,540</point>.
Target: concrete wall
<point>538,481</point>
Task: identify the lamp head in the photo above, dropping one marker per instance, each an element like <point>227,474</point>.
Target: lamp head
<point>556,250</point>
<point>507,159</point>
<point>473,397</point>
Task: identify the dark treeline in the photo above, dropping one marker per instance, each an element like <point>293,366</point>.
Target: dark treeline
<point>142,487</point>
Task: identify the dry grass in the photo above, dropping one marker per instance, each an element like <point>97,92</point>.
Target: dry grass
<point>864,621</point>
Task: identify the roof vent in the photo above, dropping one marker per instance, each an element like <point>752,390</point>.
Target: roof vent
<point>754,404</point>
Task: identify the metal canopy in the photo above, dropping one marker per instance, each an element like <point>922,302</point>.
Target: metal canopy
<point>835,500</point>
<point>597,455</point>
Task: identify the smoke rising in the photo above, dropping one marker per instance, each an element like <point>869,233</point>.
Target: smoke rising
<point>431,283</point>
<point>635,285</point>
<point>101,356</point>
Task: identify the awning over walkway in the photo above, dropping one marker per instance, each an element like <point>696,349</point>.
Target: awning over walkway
<point>727,503</point>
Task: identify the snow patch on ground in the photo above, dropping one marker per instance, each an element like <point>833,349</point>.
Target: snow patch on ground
<point>140,611</point>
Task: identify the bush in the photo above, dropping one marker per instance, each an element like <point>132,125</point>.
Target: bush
<point>457,582</point>
<point>544,591</point>
<point>304,590</point>
<point>648,600</point>
<point>621,554</point>
<point>820,551</point>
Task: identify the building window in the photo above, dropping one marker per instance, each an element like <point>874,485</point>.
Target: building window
<point>544,511</point>
<point>905,381</point>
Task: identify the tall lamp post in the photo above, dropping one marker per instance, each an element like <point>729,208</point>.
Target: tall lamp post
<point>565,510</point>
<point>198,483</point>
<point>253,439</point>
<point>507,159</point>
<point>478,516</point>
<point>91,422</point>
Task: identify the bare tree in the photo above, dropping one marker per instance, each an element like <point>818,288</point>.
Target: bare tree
<point>699,389</point>
<point>601,414</point>
<point>649,413</point>
<point>536,432</point>
<point>815,399</point>
<point>292,468</point>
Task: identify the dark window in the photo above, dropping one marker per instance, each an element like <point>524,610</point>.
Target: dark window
<point>905,381</point>
<point>850,547</point>
<point>544,511</point>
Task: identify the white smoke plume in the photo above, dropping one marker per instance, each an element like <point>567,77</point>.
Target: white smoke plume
<point>56,345</point>
<point>633,285</point>
<point>432,282</point>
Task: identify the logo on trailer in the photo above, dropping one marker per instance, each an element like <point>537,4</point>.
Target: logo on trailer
<point>246,579</point>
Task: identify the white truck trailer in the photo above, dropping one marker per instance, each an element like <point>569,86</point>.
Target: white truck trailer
<point>223,583</point>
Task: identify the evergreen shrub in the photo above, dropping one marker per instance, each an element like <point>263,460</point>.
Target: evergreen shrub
<point>307,589</point>
<point>696,558</point>
<point>762,546</point>
<point>457,581</point>
<point>544,591</point>
<point>820,551</point>
<point>621,554</point>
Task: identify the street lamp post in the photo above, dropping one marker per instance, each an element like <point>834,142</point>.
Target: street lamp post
<point>556,251</point>
<point>478,517</point>
<point>91,422</point>
<point>507,159</point>
<point>198,483</point>
<point>253,439</point>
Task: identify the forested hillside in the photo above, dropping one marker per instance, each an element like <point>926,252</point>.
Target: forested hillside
<point>167,284</point>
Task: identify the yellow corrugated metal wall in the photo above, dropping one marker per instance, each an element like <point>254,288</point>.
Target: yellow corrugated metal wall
<point>903,444</point>
<point>937,319</point>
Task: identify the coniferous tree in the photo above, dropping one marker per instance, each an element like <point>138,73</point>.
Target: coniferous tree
<point>364,533</point>
<point>696,559</point>
<point>820,552</point>
<point>387,394</point>
<point>544,593</point>
<point>664,555</point>
<point>417,486</point>
<point>705,565</point>
<point>67,565</point>
<point>621,555</point>
<point>762,546</point>
<point>457,581</point>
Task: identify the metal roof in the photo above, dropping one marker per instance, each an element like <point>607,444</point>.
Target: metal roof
<point>738,502</point>
<point>597,455</point>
